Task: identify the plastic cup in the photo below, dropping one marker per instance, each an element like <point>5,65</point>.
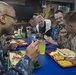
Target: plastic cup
<point>42,46</point>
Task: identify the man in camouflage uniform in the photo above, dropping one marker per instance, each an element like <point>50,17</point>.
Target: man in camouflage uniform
<point>67,40</point>
<point>7,22</point>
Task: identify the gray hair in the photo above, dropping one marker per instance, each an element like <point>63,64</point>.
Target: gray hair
<point>39,16</point>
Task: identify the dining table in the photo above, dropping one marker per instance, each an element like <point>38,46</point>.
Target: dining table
<point>48,65</point>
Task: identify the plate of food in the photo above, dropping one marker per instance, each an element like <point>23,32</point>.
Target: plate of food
<point>15,57</point>
<point>21,42</point>
<point>63,57</point>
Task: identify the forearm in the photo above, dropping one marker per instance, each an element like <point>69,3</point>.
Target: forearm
<point>26,65</point>
<point>63,42</point>
<point>54,42</point>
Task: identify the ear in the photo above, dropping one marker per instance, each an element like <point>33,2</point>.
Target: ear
<point>71,25</point>
<point>2,19</point>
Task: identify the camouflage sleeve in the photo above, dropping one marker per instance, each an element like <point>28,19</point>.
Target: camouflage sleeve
<point>63,43</point>
<point>73,44</point>
<point>24,67</point>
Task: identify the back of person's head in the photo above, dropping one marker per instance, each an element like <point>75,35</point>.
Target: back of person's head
<point>70,17</point>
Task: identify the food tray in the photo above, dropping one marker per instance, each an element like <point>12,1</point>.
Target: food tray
<point>22,42</point>
<point>49,51</point>
<point>21,53</point>
<point>21,45</point>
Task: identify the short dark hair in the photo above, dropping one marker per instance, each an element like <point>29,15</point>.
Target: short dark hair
<point>58,11</point>
<point>35,14</point>
<point>70,17</point>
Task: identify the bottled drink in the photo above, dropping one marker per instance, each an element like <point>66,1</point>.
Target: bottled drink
<point>19,31</point>
<point>33,35</point>
<point>29,35</point>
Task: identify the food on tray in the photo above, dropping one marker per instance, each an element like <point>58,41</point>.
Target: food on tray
<point>73,61</point>
<point>46,37</point>
<point>14,58</point>
<point>68,58</point>
<point>65,63</point>
<point>23,52</point>
<point>54,52</point>
<point>63,57</point>
<point>58,57</point>
<point>66,53</point>
<point>22,41</point>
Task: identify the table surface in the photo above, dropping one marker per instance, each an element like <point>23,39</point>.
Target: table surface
<point>49,66</point>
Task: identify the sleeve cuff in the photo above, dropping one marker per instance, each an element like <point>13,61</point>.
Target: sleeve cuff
<point>25,66</point>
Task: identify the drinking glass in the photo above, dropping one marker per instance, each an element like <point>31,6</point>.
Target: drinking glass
<point>42,46</point>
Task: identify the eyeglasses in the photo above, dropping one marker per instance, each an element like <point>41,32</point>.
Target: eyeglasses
<point>15,19</point>
<point>63,32</point>
<point>59,18</point>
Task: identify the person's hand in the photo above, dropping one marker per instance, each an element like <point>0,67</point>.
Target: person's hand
<point>49,39</point>
<point>63,32</point>
<point>39,35</point>
<point>32,51</point>
<point>13,45</point>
